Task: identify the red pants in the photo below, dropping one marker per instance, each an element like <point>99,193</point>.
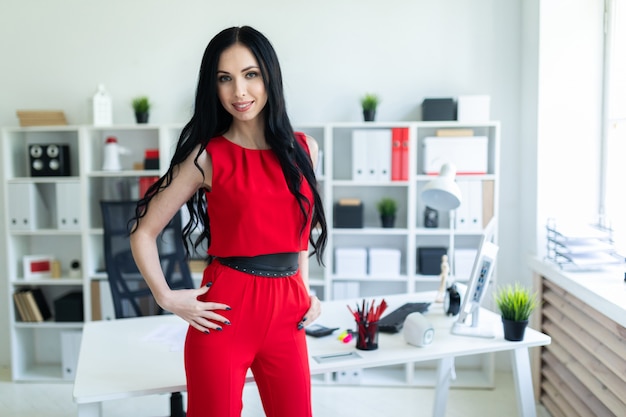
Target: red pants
<point>263,335</point>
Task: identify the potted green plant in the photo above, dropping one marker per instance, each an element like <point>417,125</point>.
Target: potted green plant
<point>369,103</point>
<point>515,303</point>
<point>141,106</point>
<point>387,208</point>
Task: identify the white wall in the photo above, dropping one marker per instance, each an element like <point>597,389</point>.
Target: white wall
<point>331,52</point>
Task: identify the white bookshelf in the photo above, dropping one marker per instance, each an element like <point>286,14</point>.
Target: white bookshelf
<point>36,347</point>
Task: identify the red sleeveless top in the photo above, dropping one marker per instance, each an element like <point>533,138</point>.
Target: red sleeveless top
<point>251,210</point>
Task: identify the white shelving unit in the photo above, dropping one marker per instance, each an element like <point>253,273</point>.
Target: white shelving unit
<point>33,226</point>
<point>408,235</point>
<point>36,347</point>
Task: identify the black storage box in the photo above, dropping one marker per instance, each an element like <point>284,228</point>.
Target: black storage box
<point>434,109</point>
<point>429,260</point>
<point>69,307</point>
<point>348,216</point>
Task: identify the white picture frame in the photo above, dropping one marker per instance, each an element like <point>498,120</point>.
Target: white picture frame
<point>37,266</point>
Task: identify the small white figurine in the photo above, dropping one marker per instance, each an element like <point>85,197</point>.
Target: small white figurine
<point>445,271</point>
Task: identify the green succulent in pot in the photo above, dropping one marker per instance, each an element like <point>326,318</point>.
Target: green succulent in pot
<point>515,302</point>
<point>369,101</point>
<point>141,104</point>
<point>387,206</point>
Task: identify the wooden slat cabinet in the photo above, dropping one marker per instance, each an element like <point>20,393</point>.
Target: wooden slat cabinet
<point>583,370</point>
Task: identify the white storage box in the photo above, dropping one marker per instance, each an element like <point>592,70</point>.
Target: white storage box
<point>473,108</point>
<point>384,262</point>
<point>351,262</point>
<point>469,154</point>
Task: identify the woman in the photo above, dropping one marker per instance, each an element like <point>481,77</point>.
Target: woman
<point>248,182</point>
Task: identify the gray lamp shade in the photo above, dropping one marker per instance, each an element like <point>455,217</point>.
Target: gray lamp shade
<point>442,193</point>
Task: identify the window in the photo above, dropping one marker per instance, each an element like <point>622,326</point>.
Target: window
<point>614,149</point>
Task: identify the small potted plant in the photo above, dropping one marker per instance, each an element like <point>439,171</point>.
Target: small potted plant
<point>515,303</point>
<point>141,105</point>
<point>369,102</point>
<point>387,207</point>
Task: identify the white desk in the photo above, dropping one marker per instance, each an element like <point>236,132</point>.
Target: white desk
<point>118,361</point>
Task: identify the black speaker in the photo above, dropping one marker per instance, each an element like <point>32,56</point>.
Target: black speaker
<point>431,217</point>
<point>49,160</point>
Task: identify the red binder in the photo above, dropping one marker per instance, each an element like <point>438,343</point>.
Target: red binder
<point>396,153</point>
<point>404,154</point>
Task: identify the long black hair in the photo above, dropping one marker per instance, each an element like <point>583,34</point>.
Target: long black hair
<point>210,119</point>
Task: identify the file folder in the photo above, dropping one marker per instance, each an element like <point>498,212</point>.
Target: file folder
<point>469,215</point>
<point>359,155</point>
<point>26,208</point>
<point>396,154</point>
<point>371,155</point>
<point>67,211</point>
<point>379,154</point>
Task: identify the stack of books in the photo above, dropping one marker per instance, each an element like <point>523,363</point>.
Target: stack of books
<point>581,247</point>
<point>41,117</point>
<point>32,305</point>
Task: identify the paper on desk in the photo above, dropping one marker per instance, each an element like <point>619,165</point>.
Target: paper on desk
<point>172,335</point>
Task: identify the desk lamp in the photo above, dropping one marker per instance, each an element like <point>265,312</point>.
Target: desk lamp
<point>444,194</point>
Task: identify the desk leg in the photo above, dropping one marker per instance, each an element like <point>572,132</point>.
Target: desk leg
<point>90,410</point>
<point>445,372</point>
<point>523,383</point>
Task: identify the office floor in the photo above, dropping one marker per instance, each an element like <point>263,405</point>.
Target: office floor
<point>55,400</point>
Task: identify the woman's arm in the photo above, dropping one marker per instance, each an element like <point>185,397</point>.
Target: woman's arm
<point>313,150</point>
<point>187,180</point>
<point>303,260</point>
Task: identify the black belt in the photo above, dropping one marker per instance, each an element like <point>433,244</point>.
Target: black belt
<point>273,265</point>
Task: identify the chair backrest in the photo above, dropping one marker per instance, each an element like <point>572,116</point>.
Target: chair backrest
<point>131,296</point>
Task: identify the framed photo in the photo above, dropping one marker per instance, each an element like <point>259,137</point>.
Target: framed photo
<point>37,266</point>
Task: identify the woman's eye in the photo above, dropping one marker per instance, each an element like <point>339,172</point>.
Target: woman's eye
<point>223,78</point>
<point>252,74</point>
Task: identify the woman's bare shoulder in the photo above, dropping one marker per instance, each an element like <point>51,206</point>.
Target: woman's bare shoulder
<point>201,169</point>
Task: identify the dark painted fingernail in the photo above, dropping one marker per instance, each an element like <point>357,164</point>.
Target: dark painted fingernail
<point>227,322</point>
<point>218,328</point>
<point>206,331</point>
<point>208,284</point>
<point>300,326</point>
<point>227,308</point>
<point>304,319</point>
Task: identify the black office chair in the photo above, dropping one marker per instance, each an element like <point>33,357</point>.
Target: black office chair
<point>131,296</point>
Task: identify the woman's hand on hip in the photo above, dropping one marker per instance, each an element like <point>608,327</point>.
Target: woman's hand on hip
<point>312,314</point>
<point>201,315</point>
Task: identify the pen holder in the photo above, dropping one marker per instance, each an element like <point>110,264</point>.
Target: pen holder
<point>367,336</point>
